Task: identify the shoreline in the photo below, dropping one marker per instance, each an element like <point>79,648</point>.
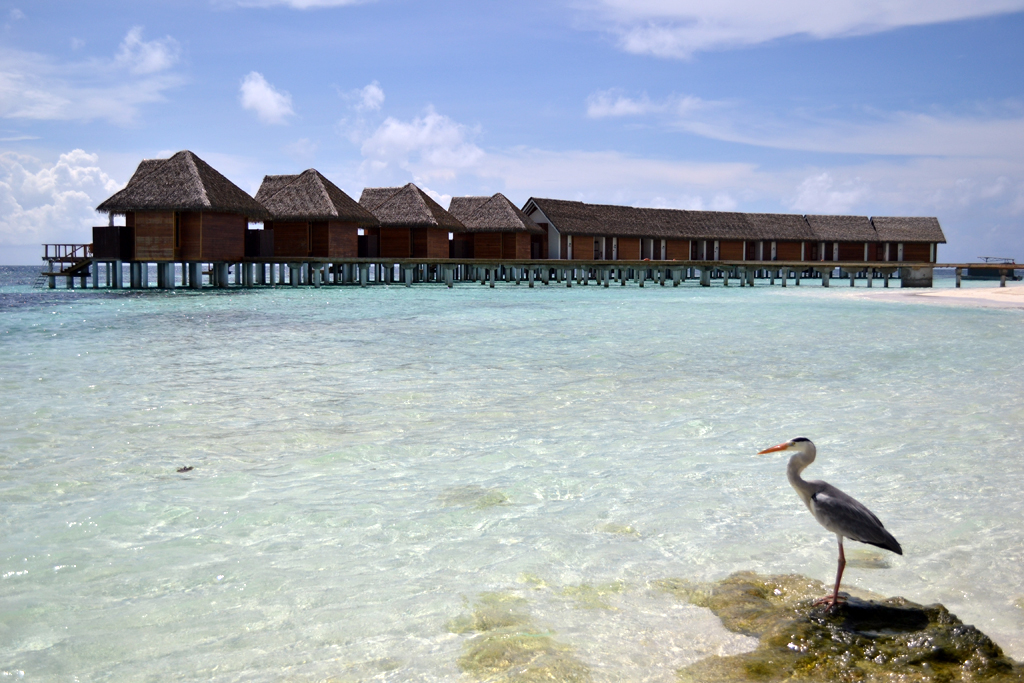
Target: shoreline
<point>1009,297</point>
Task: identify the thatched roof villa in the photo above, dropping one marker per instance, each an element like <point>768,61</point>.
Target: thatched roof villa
<point>311,216</point>
<point>411,223</point>
<point>497,229</point>
<point>177,209</point>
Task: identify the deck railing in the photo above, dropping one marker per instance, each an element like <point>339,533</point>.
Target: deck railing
<point>66,252</point>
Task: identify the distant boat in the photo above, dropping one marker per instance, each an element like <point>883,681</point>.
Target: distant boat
<point>992,273</point>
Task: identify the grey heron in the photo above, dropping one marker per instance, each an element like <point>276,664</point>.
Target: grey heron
<point>836,511</point>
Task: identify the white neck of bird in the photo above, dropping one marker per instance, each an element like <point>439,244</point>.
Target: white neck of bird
<point>803,457</point>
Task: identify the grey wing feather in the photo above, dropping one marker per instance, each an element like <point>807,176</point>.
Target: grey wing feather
<point>844,515</point>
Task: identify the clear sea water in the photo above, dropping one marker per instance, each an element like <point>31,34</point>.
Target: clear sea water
<point>369,463</point>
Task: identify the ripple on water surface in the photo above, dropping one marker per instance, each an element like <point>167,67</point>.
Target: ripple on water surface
<point>372,468</point>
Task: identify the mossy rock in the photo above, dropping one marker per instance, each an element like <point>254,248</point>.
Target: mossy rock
<point>476,497</point>
<point>586,596</point>
<point>492,611</point>
<point>860,640</point>
<point>509,648</point>
<point>515,656</point>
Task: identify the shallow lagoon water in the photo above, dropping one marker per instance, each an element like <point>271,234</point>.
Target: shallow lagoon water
<point>369,463</point>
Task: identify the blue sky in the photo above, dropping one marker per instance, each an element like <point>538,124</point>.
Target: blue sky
<point>912,107</point>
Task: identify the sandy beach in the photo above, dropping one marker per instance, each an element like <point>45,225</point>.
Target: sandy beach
<point>1011,296</point>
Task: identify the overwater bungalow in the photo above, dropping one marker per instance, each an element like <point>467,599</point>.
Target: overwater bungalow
<point>496,229</point>
<point>908,238</point>
<point>177,209</point>
<point>311,216</point>
<point>412,225</point>
<point>844,238</point>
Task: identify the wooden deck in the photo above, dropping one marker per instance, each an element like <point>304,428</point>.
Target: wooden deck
<point>76,261</point>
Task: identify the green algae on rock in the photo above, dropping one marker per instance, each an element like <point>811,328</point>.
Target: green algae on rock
<point>619,529</point>
<point>861,640</point>
<point>508,648</point>
<point>585,596</point>
<point>473,496</point>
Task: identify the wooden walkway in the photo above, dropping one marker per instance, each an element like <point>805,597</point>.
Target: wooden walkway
<point>71,261</point>
<point>317,272</point>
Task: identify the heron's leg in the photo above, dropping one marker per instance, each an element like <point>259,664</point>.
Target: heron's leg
<point>839,573</point>
<point>834,599</point>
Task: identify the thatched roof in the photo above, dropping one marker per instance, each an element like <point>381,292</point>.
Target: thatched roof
<point>842,229</point>
<point>492,214</point>
<point>309,196</point>
<point>407,207</point>
<point>781,227</point>
<point>578,218</point>
<point>709,225</point>
<point>182,183</point>
<point>464,207</point>
<point>908,229</point>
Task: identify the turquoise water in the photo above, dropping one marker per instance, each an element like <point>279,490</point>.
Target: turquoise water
<point>368,463</point>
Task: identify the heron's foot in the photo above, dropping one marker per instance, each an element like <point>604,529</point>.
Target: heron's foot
<point>830,600</point>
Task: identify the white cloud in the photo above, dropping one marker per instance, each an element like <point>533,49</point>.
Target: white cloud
<point>899,133</point>
<point>371,97</point>
<point>35,86</point>
<point>613,103</point>
<point>903,133</point>
<point>820,194</point>
<point>53,203</point>
<point>443,199</point>
<point>302,150</point>
<point>679,28</point>
<point>270,105</point>
<point>432,145</point>
<point>142,57</point>
<point>16,14</point>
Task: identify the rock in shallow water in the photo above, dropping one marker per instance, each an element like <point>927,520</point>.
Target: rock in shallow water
<point>863,640</point>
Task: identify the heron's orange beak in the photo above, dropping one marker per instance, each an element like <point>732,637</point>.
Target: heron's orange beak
<point>780,447</point>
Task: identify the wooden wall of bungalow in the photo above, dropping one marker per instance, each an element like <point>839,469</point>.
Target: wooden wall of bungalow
<point>617,248</point>
<point>173,236</point>
<point>507,245</point>
<point>320,239</point>
<point>413,242</point>
<point>624,248</point>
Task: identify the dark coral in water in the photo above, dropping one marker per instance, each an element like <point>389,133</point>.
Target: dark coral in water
<point>862,640</point>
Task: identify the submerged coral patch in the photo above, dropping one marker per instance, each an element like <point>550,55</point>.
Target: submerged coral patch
<point>473,496</point>
<point>507,647</point>
<point>585,596</point>
<point>619,529</point>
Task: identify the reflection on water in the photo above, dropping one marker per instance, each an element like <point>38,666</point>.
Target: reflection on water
<point>371,465</point>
